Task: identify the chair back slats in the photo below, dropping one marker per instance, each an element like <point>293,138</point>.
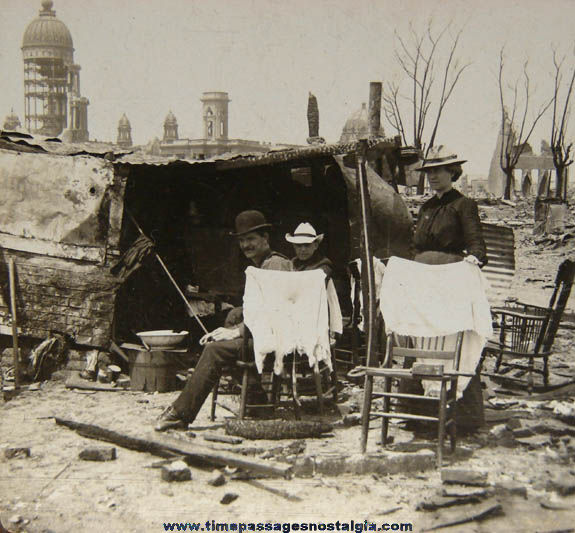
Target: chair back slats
<point>424,354</point>
<point>423,348</point>
<point>522,333</point>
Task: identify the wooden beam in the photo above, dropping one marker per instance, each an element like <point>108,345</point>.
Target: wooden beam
<point>165,447</point>
<point>13,310</point>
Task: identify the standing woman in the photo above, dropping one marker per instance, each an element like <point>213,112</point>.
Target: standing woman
<point>448,230</point>
<point>448,226</point>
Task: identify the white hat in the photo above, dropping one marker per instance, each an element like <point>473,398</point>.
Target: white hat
<point>304,234</point>
<point>440,156</point>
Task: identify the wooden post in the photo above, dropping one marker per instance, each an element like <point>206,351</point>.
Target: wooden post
<point>367,278</point>
<point>15,348</point>
<point>367,273</point>
<point>374,110</point>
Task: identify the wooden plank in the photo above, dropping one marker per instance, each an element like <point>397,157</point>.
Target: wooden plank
<point>471,513</point>
<point>165,446</point>
<point>15,349</point>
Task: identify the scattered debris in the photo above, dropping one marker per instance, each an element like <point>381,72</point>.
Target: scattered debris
<point>511,487</point>
<point>176,471</point>
<point>15,519</point>
<point>277,429</point>
<point>564,485</point>
<point>457,491</point>
<point>12,453</point>
<point>98,453</point>
<point>278,492</point>
<point>229,497</point>
<point>464,477</point>
<point>470,513</point>
<point>222,438</point>
<point>439,501</point>
<point>216,479</point>
<point>555,506</point>
<point>389,511</point>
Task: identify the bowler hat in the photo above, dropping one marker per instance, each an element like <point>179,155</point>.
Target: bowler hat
<point>248,221</point>
<point>440,156</point>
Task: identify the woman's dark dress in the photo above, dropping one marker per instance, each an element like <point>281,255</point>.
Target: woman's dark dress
<point>448,229</point>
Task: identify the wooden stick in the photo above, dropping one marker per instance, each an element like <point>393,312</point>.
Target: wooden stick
<point>278,492</point>
<point>15,348</point>
<point>166,446</point>
<point>163,265</point>
<point>226,439</point>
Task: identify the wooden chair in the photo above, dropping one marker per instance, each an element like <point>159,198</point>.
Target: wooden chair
<point>277,387</point>
<point>528,331</point>
<point>428,348</point>
<point>295,367</point>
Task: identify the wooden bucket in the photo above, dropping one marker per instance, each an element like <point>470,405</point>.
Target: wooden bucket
<point>153,372</point>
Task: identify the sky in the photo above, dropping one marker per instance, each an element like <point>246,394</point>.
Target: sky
<point>147,57</point>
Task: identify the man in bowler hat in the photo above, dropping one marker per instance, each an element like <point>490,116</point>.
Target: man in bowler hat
<point>222,347</point>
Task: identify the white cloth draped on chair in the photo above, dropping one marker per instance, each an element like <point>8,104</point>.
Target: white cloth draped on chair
<point>435,300</point>
<point>288,312</point>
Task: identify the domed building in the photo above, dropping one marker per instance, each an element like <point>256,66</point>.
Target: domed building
<point>52,99</point>
<point>12,122</point>
<point>356,127</point>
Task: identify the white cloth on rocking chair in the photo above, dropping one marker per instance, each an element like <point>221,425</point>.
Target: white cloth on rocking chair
<point>287,312</point>
<point>436,300</point>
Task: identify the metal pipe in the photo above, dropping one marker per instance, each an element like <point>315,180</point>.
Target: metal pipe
<point>163,265</point>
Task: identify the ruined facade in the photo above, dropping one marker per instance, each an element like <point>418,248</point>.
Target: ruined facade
<point>215,141</point>
<point>52,101</point>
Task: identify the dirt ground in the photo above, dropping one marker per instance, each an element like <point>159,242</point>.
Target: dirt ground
<point>53,490</point>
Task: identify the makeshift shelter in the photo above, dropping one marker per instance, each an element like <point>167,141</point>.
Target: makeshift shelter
<point>66,219</point>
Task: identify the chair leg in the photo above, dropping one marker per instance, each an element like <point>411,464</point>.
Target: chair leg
<point>293,386</point>
<point>452,396</point>
<point>441,423</point>
<point>333,376</point>
<point>386,409</point>
<point>244,394</point>
<point>546,370</point>
<point>498,363</point>
<point>365,412</point>
<point>214,400</point>
<point>530,375</point>
<point>275,391</point>
<point>318,389</point>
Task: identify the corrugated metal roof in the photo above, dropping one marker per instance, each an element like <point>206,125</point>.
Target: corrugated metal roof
<point>222,162</point>
<point>54,145</point>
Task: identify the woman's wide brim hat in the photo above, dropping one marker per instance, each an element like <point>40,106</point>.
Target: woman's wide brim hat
<point>304,234</point>
<point>248,221</point>
<point>440,156</point>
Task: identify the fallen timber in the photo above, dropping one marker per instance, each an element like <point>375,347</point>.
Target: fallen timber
<point>165,447</point>
<point>277,429</point>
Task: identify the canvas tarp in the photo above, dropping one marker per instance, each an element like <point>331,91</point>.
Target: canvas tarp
<point>391,222</point>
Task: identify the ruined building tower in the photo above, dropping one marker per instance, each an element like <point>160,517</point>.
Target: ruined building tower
<point>124,132</point>
<point>215,114</point>
<point>170,128</point>
<point>52,100</point>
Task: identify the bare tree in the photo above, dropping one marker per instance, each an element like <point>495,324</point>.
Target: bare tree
<point>515,131</point>
<point>560,148</point>
<point>432,70</point>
